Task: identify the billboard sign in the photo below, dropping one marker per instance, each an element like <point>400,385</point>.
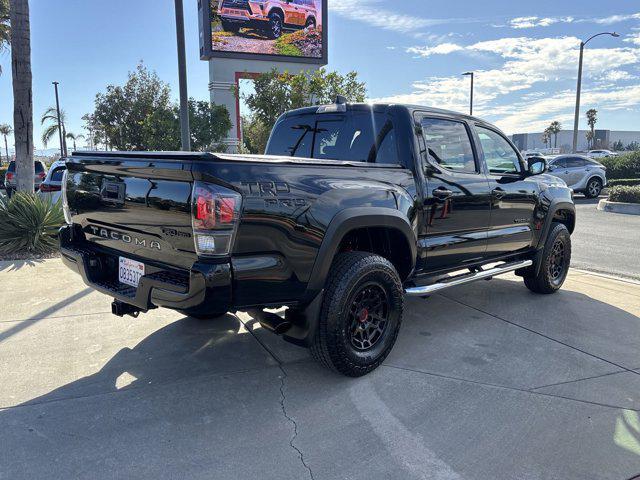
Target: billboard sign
<point>276,30</point>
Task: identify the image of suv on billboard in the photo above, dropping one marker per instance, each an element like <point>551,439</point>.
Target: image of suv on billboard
<point>271,17</point>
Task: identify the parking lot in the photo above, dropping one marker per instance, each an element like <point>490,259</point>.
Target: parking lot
<point>486,381</point>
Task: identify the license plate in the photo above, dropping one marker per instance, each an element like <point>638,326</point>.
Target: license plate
<point>130,271</point>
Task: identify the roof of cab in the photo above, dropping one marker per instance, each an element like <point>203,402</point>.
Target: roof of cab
<point>384,106</point>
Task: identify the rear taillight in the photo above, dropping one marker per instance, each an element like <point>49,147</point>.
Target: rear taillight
<point>47,187</point>
<point>42,175</point>
<point>65,202</point>
<point>215,218</point>
<point>9,176</point>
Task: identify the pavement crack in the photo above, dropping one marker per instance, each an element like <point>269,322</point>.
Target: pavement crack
<point>293,422</point>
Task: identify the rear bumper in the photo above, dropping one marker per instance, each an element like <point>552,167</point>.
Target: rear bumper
<point>204,288</point>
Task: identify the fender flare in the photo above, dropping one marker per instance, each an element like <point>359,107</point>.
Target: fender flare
<point>346,221</point>
<point>554,206</point>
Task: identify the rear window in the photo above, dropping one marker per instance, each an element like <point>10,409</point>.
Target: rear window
<point>357,136</point>
<point>56,175</point>
<point>37,165</point>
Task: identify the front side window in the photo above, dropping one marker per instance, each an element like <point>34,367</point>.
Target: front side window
<point>499,155</point>
<point>449,145</point>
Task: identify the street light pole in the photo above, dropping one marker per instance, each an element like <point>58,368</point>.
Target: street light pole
<point>182,78</point>
<point>470,74</point>
<point>576,120</point>
<point>55,86</point>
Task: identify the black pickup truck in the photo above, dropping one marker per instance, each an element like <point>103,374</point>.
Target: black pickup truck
<point>353,207</point>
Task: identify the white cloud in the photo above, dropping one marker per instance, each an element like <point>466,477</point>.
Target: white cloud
<point>532,22</point>
<point>528,62</point>
<point>535,21</point>
<point>372,12</point>
<point>616,19</point>
<point>441,49</point>
<point>633,38</point>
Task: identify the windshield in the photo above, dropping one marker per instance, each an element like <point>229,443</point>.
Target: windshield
<point>355,136</point>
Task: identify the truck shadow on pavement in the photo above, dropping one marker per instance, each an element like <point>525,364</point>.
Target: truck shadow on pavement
<point>191,370</point>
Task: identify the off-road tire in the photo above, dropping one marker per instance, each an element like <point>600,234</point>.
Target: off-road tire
<point>551,277</point>
<point>230,27</point>
<point>593,188</point>
<point>352,274</point>
<point>275,26</point>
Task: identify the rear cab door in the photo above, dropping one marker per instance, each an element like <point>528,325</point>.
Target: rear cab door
<point>513,197</point>
<point>457,201</point>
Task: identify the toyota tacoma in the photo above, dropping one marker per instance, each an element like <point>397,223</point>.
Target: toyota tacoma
<point>353,208</point>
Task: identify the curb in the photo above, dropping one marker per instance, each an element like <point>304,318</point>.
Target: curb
<point>618,207</point>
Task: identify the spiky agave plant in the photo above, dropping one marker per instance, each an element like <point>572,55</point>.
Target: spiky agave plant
<point>29,223</point>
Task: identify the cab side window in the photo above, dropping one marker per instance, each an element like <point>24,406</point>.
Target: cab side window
<point>499,155</point>
<point>449,145</point>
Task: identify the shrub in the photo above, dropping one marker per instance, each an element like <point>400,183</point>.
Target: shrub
<point>625,194</point>
<point>629,182</point>
<point>29,224</point>
<point>622,167</point>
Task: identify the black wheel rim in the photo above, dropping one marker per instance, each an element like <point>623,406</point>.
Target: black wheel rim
<point>557,261</point>
<point>368,317</point>
<point>276,28</point>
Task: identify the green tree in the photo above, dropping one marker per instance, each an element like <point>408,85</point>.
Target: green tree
<point>5,27</point>
<point>22,93</point>
<point>140,116</point>
<point>50,117</point>
<point>5,130</point>
<point>618,146</point>
<point>276,92</point>
<point>255,134</point>
<point>209,124</point>
<point>554,129</point>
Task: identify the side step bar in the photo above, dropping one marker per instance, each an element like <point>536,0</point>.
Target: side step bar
<point>467,278</point>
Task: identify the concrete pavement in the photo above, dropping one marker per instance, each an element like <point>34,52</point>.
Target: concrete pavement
<point>487,381</point>
<point>606,242</point>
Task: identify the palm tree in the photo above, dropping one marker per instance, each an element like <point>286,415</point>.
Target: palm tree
<point>545,137</point>
<point>73,137</point>
<point>4,131</point>
<point>51,130</point>
<point>5,30</point>
<point>589,135</point>
<point>592,119</point>
<point>554,129</point>
<point>22,93</point>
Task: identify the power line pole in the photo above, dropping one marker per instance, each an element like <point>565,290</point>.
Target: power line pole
<point>182,78</point>
<point>55,86</point>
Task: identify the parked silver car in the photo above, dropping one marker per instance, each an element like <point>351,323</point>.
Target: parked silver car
<point>582,174</point>
<point>10,177</point>
<point>51,187</point>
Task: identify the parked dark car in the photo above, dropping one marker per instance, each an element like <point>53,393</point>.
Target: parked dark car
<point>354,207</point>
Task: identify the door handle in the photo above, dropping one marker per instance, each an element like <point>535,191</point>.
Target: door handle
<point>498,193</point>
<point>442,193</point>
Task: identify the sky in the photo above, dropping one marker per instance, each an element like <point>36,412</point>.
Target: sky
<point>525,55</point>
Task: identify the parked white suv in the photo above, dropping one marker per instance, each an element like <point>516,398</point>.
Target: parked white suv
<point>601,153</point>
<point>580,173</point>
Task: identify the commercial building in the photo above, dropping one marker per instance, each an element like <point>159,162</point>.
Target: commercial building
<point>603,139</point>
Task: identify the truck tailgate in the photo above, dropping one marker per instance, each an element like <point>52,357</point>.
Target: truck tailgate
<point>138,206</point>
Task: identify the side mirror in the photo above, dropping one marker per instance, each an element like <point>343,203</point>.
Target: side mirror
<point>536,165</point>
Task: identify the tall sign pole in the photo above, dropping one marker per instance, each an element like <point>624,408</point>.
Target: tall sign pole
<point>182,78</point>
<point>55,86</point>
